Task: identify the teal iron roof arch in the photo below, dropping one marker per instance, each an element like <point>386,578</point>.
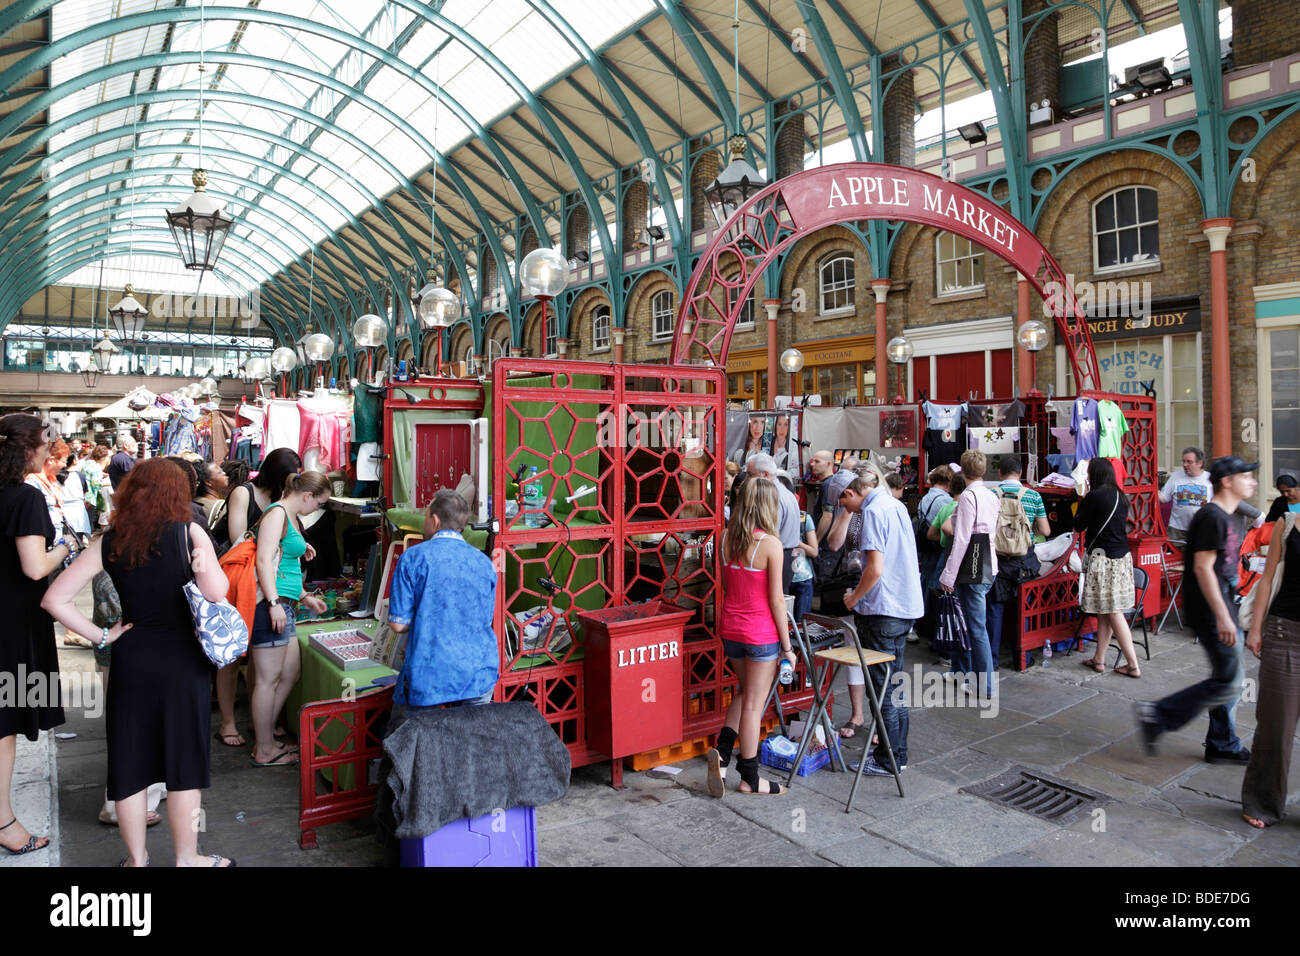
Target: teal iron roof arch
<point>24,146</point>
<point>46,55</point>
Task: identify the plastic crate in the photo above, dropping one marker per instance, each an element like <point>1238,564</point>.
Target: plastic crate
<point>494,839</point>
<point>811,762</point>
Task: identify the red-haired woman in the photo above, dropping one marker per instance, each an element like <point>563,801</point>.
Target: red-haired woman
<point>158,706</point>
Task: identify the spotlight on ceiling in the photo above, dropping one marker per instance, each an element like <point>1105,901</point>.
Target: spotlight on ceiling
<point>973,133</point>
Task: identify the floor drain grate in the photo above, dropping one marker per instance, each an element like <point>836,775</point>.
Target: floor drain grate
<point>1039,796</point>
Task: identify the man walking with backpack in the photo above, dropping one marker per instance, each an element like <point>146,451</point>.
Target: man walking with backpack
<point>1020,514</point>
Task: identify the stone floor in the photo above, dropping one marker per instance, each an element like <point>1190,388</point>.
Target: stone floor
<point>1062,720</point>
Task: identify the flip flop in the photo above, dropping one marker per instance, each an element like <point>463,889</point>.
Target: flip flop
<point>279,760</point>
<point>717,774</point>
<point>1255,822</point>
<point>216,861</point>
<point>151,818</point>
<point>225,739</point>
<point>852,729</point>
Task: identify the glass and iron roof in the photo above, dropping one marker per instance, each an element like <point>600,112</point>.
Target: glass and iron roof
<point>322,121</point>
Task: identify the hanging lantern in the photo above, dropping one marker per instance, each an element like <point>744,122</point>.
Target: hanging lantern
<point>735,184</point>
<point>90,375</point>
<point>198,227</point>
<point>128,316</point>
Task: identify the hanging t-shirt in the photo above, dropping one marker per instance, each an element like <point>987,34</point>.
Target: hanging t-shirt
<point>1113,426</point>
<point>1083,423</point>
<point>945,438</point>
<point>981,416</point>
<point>943,417</point>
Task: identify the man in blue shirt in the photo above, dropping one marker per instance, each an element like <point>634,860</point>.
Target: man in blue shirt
<point>885,602</point>
<point>444,592</point>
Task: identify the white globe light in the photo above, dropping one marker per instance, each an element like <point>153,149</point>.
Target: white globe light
<point>1032,336</point>
<point>318,347</point>
<point>898,350</point>
<point>439,308</point>
<point>257,367</point>
<point>284,359</point>
<point>792,361</point>
<point>369,331</point>
<point>544,273</point>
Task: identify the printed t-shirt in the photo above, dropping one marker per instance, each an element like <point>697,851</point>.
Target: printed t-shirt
<point>1083,424</point>
<point>1212,529</point>
<point>1113,427</point>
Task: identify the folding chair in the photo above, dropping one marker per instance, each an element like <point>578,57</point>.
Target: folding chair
<point>1174,589</point>
<point>1134,617</point>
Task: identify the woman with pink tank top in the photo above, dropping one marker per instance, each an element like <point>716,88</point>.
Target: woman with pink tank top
<point>754,631</point>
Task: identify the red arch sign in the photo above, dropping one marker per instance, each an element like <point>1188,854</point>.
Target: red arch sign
<point>780,215</point>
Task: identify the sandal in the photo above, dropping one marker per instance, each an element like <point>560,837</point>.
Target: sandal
<point>285,758</point>
<point>151,818</point>
<point>852,729</point>
<point>1255,822</point>
<point>227,738</point>
<point>769,791</point>
<point>1128,671</point>
<point>33,842</point>
<point>717,774</point>
<point>1098,667</point>
<point>127,859</point>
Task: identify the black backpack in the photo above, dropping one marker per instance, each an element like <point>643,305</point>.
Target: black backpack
<point>921,528</point>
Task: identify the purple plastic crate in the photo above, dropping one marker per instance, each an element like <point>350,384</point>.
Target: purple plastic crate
<point>506,839</point>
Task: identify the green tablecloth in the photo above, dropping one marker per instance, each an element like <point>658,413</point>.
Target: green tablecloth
<point>322,679</point>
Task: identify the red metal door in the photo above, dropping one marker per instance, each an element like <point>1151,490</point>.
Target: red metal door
<point>442,455</point>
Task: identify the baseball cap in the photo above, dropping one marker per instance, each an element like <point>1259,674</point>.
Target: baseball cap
<point>1229,465</point>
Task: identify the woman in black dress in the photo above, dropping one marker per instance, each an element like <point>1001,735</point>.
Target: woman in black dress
<point>27,640</point>
<point>158,705</point>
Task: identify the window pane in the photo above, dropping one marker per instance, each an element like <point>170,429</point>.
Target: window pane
<point>1151,241</point>
<point>1128,244</point>
<point>1146,205</point>
<point>977,270</point>
<point>1286,388</point>
<point>1126,207</point>
<point>1185,351</point>
<point>1107,249</point>
<point>1106,214</point>
<point>1282,345</point>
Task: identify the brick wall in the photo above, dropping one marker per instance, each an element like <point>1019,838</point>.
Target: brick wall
<point>1263,30</point>
<point>707,166</point>
<point>900,115</point>
<point>578,232</point>
<point>789,139</point>
<point>1042,57</point>
<point>636,207</point>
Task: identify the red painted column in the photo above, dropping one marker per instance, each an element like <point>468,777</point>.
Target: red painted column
<point>880,287</point>
<point>1024,312</point>
<point>773,307</point>
<point>1216,230</point>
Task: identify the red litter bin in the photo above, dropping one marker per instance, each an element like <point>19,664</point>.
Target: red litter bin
<point>634,676</point>
<point>1146,555</point>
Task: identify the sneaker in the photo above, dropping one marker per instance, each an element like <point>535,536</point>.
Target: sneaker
<point>1149,725</point>
<point>913,637</point>
<point>944,662</point>
<point>1215,755</point>
<point>873,769</point>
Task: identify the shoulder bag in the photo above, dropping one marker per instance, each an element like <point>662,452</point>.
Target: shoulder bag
<point>1246,612</point>
<point>977,563</point>
<point>222,633</point>
<point>1075,562</point>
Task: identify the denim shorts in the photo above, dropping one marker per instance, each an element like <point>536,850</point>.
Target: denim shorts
<point>753,652</point>
<point>262,635</point>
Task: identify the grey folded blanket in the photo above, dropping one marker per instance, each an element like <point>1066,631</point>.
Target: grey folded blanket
<point>444,764</point>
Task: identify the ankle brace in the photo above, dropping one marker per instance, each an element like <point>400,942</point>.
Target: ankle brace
<point>726,743</point>
<point>748,767</point>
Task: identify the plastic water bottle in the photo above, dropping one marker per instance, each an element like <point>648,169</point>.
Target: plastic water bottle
<point>787,671</point>
<point>1047,653</point>
<point>533,500</point>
